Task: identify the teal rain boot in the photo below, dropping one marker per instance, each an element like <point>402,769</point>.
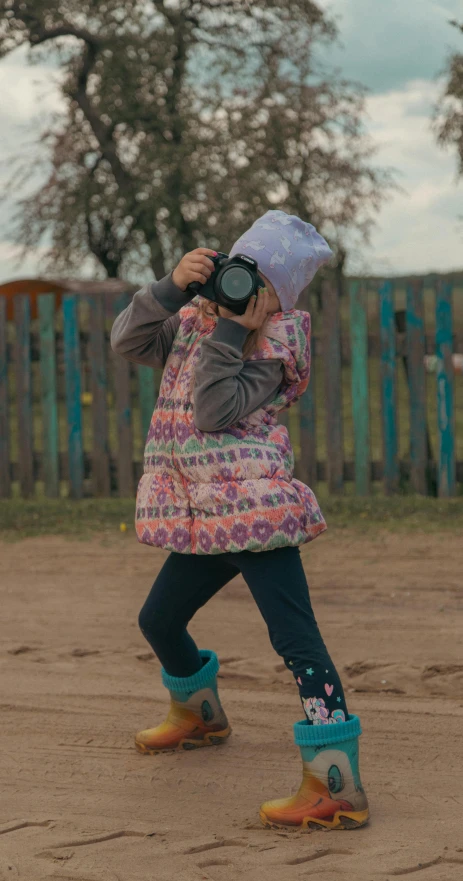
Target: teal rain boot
<point>331,794</point>
<point>195,717</point>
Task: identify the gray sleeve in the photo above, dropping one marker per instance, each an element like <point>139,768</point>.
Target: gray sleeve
<point>145,331</point>
<point>226,387</point>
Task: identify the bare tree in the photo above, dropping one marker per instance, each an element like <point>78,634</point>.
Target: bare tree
<point>448,113</point>
<point>184,120</point>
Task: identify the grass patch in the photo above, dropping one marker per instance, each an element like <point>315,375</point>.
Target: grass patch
<point>20,518</point>
<point>404,513</point>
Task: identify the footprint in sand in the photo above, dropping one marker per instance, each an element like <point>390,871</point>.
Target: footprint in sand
<point>212,845</point>
<point>208,863</point>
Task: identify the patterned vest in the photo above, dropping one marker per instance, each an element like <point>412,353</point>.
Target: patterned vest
<point>231,490</point>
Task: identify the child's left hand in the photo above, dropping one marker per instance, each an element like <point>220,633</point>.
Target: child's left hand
<point>257,311</point>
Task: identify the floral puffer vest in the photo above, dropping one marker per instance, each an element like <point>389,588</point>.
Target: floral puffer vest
<point>231,490</point>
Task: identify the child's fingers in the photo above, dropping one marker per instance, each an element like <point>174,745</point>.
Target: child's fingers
<point>199,267</point>
<point>197,276</point>
<point>201,258</point>
<point>203,273</point>
<point>202,262</point>
<point>205,251</point>
<point>250,309</point>
<point>261,307</point>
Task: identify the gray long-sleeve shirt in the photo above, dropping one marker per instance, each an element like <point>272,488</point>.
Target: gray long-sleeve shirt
<point>227,388</point>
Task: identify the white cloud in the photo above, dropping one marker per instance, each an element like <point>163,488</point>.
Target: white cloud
<point>15,266</point>
<point>418,229</point>
<point>29,96</point>
<point>27,92</point>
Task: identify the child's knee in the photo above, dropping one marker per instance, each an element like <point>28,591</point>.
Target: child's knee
<point>152,625</point>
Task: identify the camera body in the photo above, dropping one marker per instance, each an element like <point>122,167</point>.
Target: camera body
<point>232,283</point>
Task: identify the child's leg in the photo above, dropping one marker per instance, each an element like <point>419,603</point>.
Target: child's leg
<point>196,717</point>
<point>278,584</point>
<point>185,583</point>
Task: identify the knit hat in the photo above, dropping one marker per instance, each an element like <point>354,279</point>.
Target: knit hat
<point>288,252</point>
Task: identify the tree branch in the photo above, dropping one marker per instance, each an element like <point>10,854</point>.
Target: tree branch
<point>65,30</point>
<point>39,34</point>
<point>143,215</point>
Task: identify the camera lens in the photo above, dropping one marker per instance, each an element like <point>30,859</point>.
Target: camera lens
<point>236,283</point>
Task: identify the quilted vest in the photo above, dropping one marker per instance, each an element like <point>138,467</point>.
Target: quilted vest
<point>231,490</point>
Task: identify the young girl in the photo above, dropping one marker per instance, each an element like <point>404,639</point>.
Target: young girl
<point>218,492</point>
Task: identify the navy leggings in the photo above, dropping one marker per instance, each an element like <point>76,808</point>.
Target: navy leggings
<point>278,584</point>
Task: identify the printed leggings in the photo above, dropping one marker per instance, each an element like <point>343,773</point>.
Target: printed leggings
<point>278,584</point>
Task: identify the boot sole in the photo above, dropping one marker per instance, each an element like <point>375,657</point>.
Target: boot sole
<point>215,738</point>
<point>341,820</point>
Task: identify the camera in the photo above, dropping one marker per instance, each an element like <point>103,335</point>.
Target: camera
<point>232,283</point>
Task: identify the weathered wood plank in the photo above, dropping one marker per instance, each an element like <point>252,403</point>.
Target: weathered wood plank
<point>99,386</point>
<point>333,387</point>
<point>359,379</point>
<point>377,471</point>
<point>49,401</point>
<point>5,482</point>
<point>374,349</point>
<point>73,394</point>
<point>416,384</point>
<point>388,387</point>
<point>445,391</point>
<point>307,465</point>
<point>146,396</point>
<point>23,376</point>
<point>123,413</point>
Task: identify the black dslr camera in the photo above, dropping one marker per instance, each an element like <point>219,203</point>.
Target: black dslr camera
<point>232,283</point>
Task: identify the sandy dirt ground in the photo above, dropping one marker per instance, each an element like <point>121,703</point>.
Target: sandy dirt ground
<point>77,680</point>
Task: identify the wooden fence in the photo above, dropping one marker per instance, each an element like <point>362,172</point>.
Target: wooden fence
<point>73,415</point>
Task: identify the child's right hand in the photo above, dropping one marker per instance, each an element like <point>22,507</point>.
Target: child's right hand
<point>194,266</point>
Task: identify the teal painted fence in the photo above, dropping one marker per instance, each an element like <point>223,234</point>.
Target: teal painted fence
<point>72,374</point>
<point>388,388</point>
<point>360,396</point>
<point>73,415</point>
<point>445,391</point>
<point>49,397</point>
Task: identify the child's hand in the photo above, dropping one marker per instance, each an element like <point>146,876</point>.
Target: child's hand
<point>194,266</point>
<point>257,311</point>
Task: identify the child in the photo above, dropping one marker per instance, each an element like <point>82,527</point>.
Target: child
<point>218,492</point>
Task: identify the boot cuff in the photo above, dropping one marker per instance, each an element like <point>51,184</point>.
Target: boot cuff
<point>199,680</point>
<point>323,735</point>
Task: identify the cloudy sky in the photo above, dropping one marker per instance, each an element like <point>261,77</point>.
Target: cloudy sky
<point>397,49</point>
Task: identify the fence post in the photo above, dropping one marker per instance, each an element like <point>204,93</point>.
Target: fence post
<point>146,396</point>
<point>123,413</point>
<point>333,388</point>
<point>99,385</point>
<point>5,481</point>
<point>71,341</point>
<point>50,435</point>
<point>24,393</point>
<point>445,408</point>
<point>388,387</point>
<point>360,400</point>
<point>307,470</point>
<point>417,385</point>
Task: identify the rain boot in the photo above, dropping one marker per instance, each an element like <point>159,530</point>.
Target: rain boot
<point>195,717</point>
<point>331,794</point>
